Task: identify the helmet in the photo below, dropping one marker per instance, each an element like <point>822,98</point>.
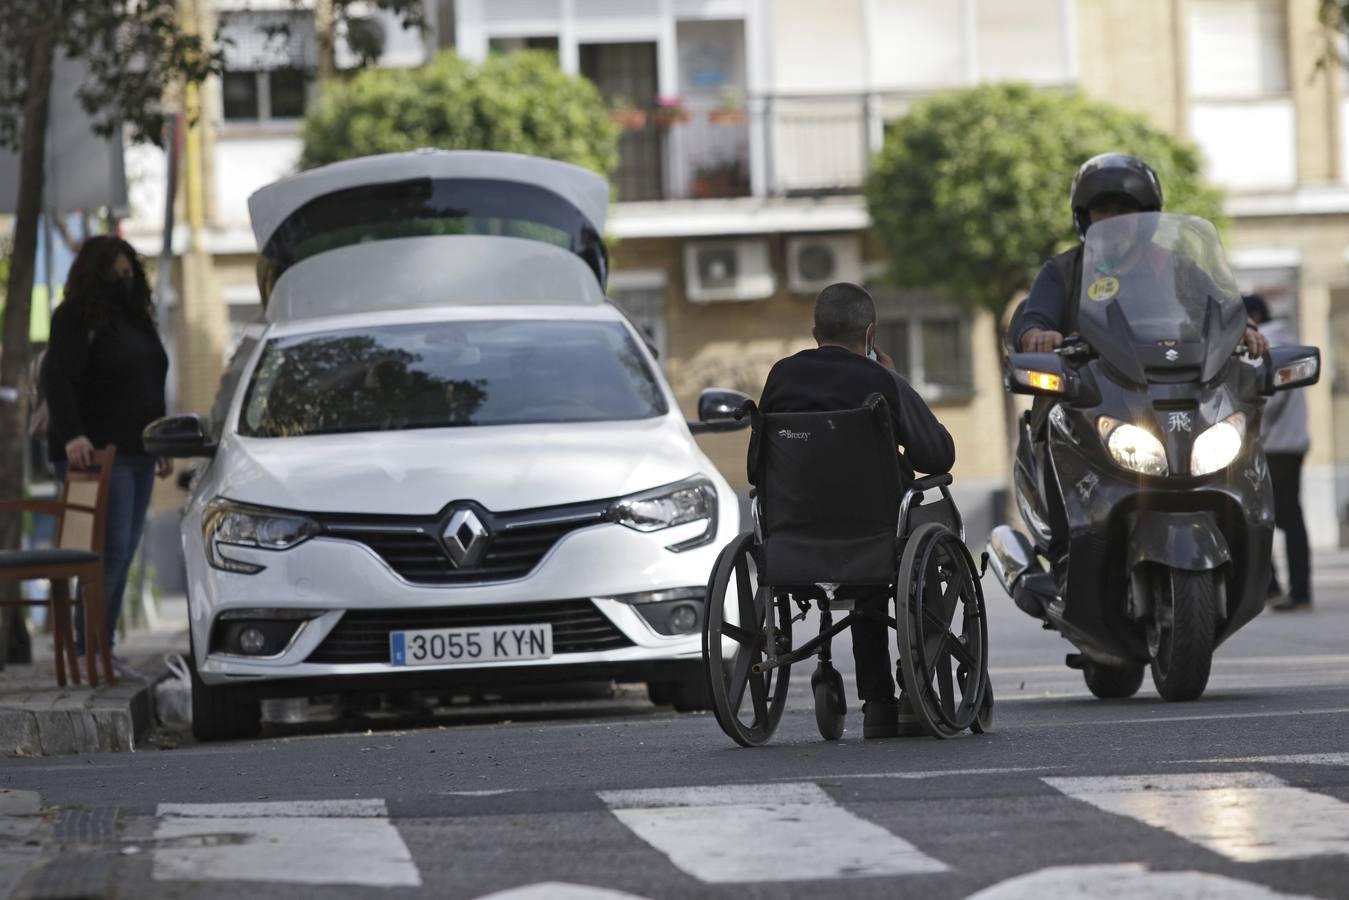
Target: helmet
<point>1113,173</point>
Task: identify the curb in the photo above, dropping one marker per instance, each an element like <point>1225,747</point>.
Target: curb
<point>108,719</point>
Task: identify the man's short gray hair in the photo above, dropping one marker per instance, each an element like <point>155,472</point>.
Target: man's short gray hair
<point>842,313</point>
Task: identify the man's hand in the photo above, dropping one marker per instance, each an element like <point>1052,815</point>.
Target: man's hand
<point>884,359</point>
<point>163,467</point>
<point>1255,343</point>
<point>80,452</point>
<point>1037,340</point>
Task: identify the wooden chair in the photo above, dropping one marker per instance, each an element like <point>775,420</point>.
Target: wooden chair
<point>81,522</point>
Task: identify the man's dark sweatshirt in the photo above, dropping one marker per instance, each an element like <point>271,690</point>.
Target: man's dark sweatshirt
<point>829,379</point>
<point>106,384</point>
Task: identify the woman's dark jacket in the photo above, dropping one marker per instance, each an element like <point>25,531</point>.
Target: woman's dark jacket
<point>104,382</point>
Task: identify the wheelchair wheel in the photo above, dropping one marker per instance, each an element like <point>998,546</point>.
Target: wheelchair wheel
<point>942,631</point>
<point>742,618</point>
<point>831,705</point>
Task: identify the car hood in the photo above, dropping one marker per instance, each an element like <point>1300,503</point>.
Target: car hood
<point>418,472</point>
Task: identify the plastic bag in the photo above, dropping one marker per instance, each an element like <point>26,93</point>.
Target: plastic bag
<point>173,695</point>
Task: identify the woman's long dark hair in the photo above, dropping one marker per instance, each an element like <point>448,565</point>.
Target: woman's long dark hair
<point>87,283</point>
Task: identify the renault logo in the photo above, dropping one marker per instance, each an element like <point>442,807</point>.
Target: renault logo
<point>464,538</point>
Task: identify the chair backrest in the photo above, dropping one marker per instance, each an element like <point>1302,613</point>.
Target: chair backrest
<point>829,493</point>
<point>84,499</point>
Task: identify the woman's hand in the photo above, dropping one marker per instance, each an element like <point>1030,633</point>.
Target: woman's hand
<point>163,467</point>
<point>80,452</point>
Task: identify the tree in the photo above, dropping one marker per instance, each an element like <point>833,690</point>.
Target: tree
<point>133,49</point>
<point>518,102</point>
<point>969,193</point>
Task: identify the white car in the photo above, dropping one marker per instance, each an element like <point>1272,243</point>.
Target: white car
<point>447,461</point>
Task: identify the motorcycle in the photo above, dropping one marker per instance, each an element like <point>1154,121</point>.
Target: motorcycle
<point>1144,448</point>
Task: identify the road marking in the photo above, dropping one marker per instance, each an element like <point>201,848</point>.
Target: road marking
<point>768,832</point>
<point>1245,816</point>
<point>559,890</point>
<point>930,773</point>
<point>1132,881</point>
<point>303,842</point>
<point>1152,720</point>
<point>1293,759</point>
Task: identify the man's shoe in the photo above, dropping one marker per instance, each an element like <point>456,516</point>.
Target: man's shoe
<point>880,718</point>
<point>127,672</point>
<point>1287,604</point>
<point>906,723</point>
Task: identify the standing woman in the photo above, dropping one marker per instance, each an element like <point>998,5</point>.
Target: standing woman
<point>103,377</point>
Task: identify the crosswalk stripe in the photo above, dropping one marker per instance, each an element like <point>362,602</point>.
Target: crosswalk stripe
<point>303,842</point>
<point>757,833</point>
<point>1131,881</point>
<point>1245,816</point>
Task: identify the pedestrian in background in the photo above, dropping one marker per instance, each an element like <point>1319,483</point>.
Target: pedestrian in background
<point>103,378</point>
<point>1283,433</point>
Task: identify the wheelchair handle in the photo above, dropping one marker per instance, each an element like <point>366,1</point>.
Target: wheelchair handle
<point>929,482</point>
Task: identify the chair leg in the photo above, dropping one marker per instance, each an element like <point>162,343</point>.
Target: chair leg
<point>91,594</point>
<point>68,627</point>
<point>60,589</point>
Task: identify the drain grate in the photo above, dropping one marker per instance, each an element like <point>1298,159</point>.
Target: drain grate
<point>86,826</point>
<point>70,876</point>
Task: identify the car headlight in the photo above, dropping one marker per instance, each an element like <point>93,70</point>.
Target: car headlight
<point>227,522</point>
<point>692,500</point>
<point>1218,445</point>
<point>1134,448</point>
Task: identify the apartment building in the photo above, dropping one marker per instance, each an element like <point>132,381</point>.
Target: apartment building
<point>747,130</point>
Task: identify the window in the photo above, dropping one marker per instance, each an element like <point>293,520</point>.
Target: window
<point>449,375</point>
<point>269,56</point>
<point>645,309</point>
<point>929,339</point>
<point>512,44</point>
<point>1238,49</point>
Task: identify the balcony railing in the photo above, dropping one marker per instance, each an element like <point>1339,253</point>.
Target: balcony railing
<point>773,145</point>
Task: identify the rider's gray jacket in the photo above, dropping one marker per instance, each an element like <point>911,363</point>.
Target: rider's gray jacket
<point>1283,428</point>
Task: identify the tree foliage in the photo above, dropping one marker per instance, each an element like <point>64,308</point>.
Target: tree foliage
<point>518,102</point>
<point>134,50</point>
<point>970,190</point>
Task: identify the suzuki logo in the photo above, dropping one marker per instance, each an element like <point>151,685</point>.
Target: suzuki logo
<point>464,537</point>
<point>1172,356</point>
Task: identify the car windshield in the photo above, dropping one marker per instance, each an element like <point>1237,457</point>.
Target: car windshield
<point>1154,280</point>
<point>449,374</point>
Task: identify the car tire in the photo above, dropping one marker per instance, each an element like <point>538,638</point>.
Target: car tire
<point>685,695</point>
<point>222,713</point>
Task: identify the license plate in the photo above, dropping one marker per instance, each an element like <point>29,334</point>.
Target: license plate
<point>470,646</point>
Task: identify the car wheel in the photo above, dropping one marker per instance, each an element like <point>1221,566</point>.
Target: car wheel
<point>222,713</point>
<point>685,695</point>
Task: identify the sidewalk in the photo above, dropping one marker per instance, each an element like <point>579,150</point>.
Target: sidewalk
<point>37,718</point>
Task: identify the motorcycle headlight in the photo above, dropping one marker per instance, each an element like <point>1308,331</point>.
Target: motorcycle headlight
<point>692,500</point>
<point>1134,448</point>
<point>1218,445</point>
<point>227,522</point>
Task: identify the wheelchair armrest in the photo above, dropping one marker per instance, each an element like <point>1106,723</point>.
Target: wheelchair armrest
<point>932,481</point>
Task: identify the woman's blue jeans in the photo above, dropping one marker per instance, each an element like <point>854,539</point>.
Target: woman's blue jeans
<point>133,480</point>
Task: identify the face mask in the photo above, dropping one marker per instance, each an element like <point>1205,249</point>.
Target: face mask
<point>122,290</point>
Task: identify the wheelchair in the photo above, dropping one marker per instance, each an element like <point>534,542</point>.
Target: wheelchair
<point>832,528</point>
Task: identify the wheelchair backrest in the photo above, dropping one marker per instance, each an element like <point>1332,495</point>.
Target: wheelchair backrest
<point>829,494</point>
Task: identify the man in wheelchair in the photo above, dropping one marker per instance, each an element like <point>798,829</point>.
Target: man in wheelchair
<point>845,372</point>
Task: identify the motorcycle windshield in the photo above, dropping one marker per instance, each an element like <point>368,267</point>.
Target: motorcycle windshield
<point>1158,301</point>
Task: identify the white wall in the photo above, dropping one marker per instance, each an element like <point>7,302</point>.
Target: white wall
<point>1248,146</point>
<point>242,165</point>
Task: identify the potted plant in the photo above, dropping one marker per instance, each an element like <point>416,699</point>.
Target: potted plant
<point>727,178</point>
<point>731,111</point>
<point>626,115</point>
<point>669,111</point>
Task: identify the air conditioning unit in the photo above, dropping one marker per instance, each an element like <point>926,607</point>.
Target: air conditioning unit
<point>815,262</point>
<point>727,270</point>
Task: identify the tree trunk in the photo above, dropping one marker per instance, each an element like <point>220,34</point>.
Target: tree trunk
<point>325,29</point>
<point>18,301</point>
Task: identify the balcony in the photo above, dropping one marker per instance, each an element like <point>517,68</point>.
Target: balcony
<point>772,146</point>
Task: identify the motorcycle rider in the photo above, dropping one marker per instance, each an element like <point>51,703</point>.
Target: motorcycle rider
<point>1105,186</point>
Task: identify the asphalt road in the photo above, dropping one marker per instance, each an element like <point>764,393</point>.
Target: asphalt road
<point>1243,794</point>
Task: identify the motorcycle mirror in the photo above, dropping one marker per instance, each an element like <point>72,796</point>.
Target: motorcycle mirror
<point>1038,374</point>
<point>1290,367</point>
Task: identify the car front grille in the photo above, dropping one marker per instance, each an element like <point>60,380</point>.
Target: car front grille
<point>516,542</point>
<point>362,635</point>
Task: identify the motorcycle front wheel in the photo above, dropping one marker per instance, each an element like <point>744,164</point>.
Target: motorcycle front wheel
<point>1181,637</point>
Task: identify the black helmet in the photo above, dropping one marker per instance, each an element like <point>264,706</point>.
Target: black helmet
<point>1113,173</point>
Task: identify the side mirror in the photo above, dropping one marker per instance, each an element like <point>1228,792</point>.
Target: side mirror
<point>720,409</point>
<point>1291,367</point>
<point>181,437</point>
<point>1039,374</point>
